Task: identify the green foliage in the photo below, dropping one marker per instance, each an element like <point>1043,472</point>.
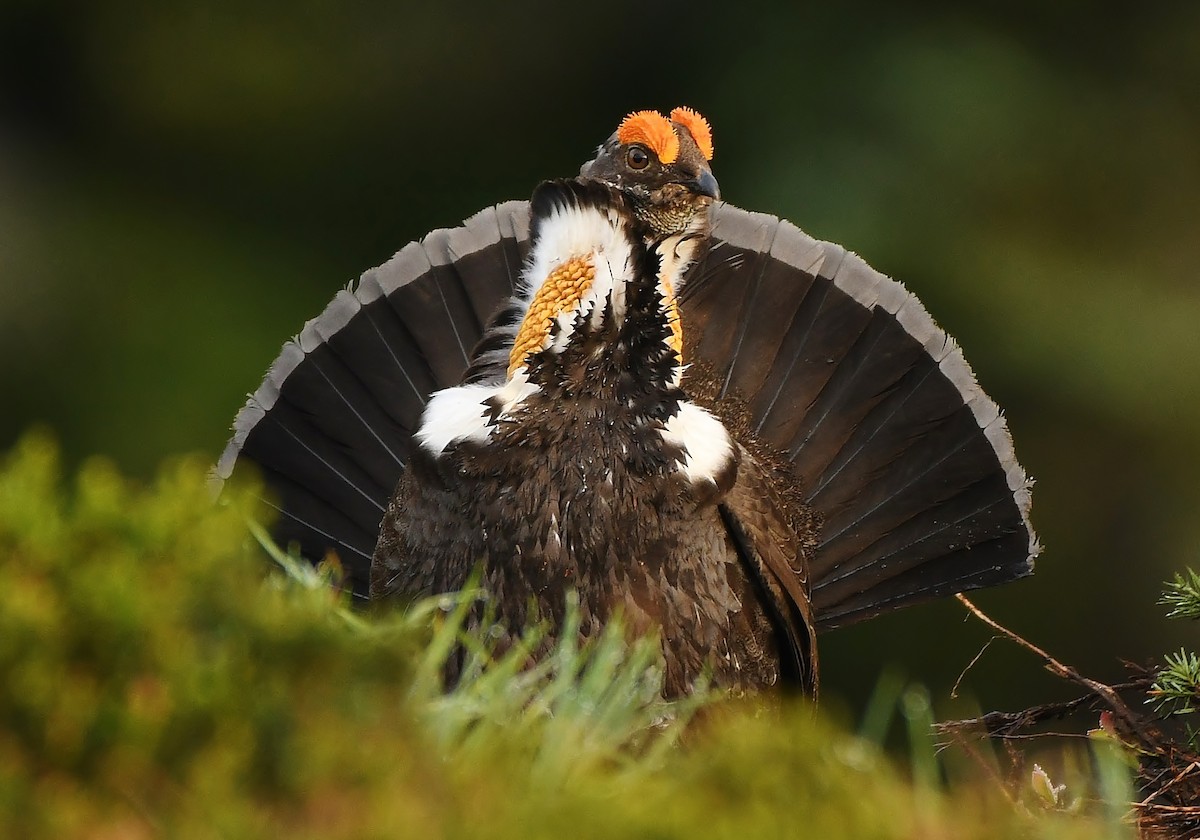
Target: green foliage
<point>150,679</point>
<point>157,679</point>
<point>1182,595</point>
<point>1176,688</point>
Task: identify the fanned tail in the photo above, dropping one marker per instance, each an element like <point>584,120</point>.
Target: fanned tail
<point>329,429</point>
<point>886,434</point>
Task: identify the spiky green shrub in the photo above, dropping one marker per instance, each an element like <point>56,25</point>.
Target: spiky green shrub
<point>1176,689</point>
<point>158,680</point>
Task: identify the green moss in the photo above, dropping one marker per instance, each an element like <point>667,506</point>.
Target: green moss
<point>158,679</point>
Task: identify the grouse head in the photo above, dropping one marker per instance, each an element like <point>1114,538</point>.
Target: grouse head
<point>663,167</point>
<point>613,246</point>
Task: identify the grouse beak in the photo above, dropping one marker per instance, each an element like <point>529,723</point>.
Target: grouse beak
<point>704,184</point>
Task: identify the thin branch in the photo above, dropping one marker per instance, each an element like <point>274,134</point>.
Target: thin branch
<point>1175,809</point>
<point>1132,720</point>
<point>970,665</point>
<point>1005,724</point>
<point>1179,777</point>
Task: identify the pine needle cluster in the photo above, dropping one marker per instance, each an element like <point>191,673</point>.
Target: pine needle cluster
<point>1176,688</point>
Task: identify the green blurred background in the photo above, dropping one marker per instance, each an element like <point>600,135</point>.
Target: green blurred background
<point>183,184</point>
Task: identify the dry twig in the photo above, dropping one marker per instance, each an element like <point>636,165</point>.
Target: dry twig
<point>1172,815</point>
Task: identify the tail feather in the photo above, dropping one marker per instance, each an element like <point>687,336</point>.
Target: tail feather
<point>984,564</point>
<point>870,373</point>
<point>977,511</point>
<point>344,475</point>
<point>829,325</point>
<point>317,526</point>
<point>487,274</point>
<point>426,316</point>
<point>350,416</point>
<point>329,429</point>
<point>877,423</point>
<point>736,351</point>
<point>887,435</point>
<point>388,360</point>
<point>949,457</point>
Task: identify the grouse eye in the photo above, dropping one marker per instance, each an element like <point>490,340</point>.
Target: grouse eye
<point>637,158</point>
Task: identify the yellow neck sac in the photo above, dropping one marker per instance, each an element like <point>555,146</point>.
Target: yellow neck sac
<point>561,292</point>
<point>671,305</point>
